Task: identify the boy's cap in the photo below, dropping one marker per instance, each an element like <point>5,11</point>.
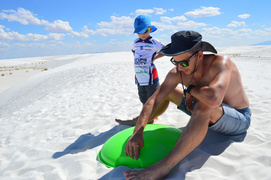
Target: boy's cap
<point>186,41</point>
<point>141,24</point>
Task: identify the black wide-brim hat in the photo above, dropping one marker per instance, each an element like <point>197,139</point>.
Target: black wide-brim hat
<point>186,41</point>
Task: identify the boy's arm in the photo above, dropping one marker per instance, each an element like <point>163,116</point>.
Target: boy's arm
<point>157,56</point>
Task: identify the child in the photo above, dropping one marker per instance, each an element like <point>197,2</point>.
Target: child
<point>145,49</point>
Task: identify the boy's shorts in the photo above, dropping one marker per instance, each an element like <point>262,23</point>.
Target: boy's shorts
<point>233,122</point>
<point>145,92</point>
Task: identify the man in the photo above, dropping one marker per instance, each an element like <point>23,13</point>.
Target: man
<point>214,97</point>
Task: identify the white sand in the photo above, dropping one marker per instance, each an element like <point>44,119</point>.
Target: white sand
<point>53,123</point>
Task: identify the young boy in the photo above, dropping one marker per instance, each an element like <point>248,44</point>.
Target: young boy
<point>145,49</point>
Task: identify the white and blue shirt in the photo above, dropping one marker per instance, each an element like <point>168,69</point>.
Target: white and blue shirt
<point>144,52</point>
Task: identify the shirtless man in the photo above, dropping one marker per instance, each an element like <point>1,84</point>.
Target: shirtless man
<point>214,98</point>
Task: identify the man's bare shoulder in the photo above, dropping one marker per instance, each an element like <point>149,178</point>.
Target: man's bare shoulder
<point>173,72</point>
<point>173,76</point>
<point>220,59</point>
<point>220,63</point>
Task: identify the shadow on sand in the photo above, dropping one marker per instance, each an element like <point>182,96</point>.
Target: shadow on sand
<point>89,141</point>
<point>213,145</point>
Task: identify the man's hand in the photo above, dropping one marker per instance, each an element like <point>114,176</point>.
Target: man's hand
<point>134,145</point>
<point>189,102</point>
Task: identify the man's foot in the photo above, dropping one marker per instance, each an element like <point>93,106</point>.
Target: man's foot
<point>149,173</point>
<point>133,121</point>
<point>127,122</point>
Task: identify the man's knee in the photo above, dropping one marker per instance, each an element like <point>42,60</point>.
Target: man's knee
<point>210,114</point>
<point>176,96</point>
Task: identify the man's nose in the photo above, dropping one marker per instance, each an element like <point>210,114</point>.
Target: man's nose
<point>180,67</point>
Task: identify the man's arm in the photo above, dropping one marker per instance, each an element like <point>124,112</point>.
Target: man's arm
<point>213,94</point>
<point>148,112</point>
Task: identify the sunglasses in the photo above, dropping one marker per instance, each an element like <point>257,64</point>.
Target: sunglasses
<point>183,63</point>
<point>148,29</point>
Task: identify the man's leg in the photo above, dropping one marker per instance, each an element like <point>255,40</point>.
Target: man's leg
<point>175,96</point>
<point>161,108</point>
<point>192,135</point>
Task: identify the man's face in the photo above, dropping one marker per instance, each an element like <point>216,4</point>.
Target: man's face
<point>185,62</point>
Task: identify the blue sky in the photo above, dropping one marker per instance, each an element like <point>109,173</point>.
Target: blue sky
<point>56,27</point>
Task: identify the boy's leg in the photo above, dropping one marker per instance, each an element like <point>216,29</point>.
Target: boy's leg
<point>143,94</point>
<point>150,89</point>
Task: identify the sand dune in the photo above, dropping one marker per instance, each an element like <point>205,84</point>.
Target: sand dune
<point>53,123</point>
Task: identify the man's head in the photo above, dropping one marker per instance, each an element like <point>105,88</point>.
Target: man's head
<point>187,48</point>
<point>186,41</point>
<point>142,23</point>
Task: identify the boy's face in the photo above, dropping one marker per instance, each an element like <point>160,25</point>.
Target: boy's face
<point>145,35</point>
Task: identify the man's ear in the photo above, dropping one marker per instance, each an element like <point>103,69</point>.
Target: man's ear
<point>200,55</point>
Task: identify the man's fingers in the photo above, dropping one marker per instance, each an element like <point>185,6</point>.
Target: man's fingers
<point>126,150</point>
<point>136,149</point>
<point>131,151</point>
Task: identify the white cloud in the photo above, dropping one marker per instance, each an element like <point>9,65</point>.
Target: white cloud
<point>218,31</point>
<point>117,22</point>
<point>58,26</point>
<point>203,12</point>
<point>173,19</point>
<point>237,24</point>
<point>230,34</point>
<point>87,31</point>
<point>26,17</point>
<point>30,37</point>
<point>74,34</point>
<point>179,26</point>
<point>22,16</point>
<point>4,45</point>
<point>190,25</point>
<point>55,36</point>
<point>163,26</point>
<point>118,26</point>
<point>244,16</point>
<point>159,11</point>
<point>244,32</point>
<point>144,11</point>
<point>263,33</point>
